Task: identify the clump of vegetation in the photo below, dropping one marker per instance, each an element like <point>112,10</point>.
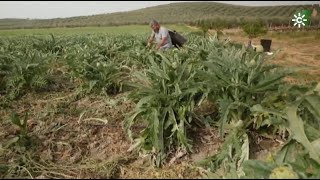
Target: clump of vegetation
<point>166,96</point>
<point>204,26</point>
<point>254,29</point>
<point>252,96</point>
<point>217,24</point>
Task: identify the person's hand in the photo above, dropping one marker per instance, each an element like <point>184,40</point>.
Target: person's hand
<point>149,44</point>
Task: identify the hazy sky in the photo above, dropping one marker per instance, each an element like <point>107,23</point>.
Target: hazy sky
<point>61,9</point>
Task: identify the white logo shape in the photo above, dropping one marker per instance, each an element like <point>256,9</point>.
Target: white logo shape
<point>299,20</point>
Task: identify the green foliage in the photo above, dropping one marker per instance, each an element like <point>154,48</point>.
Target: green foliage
<point>254,29</point>
<point>48,45</point>
<point>165,95</point>
<point>250,94</point>
<point>241,80</point>
<point>234,151</point>
<point>291,161</point>
<point>94,69</point>
<point>204,26</point>
<point>23,139</point>
<point>219,24</point>
<point>41,63</point>
<point>23,68</point>
<point>301,111</point>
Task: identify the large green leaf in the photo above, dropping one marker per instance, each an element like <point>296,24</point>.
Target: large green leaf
<point>225,107</point>
<point>297,130</point>
<point>314,106</point>
<point>130,120</point>
<point>316,145</point>
<point>311,132</point>
<point>155,122</point>
<point>244,150</point>
<point>256,169</point>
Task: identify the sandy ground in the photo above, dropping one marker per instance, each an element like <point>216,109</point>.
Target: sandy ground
<point>293,52</point>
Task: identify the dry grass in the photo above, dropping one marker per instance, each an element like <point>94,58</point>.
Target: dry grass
<point>139,170</point>
<point>61,139</point>
<point>69,141</point>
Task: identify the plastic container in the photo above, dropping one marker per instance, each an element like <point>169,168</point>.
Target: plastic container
<point>266,44</point>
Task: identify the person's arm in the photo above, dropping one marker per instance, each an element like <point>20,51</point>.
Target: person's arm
<point>151,38</point>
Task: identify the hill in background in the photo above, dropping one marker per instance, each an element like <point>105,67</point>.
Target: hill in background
<point>184,12</point>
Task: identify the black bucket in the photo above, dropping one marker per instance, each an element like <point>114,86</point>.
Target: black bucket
<point>266,44</point>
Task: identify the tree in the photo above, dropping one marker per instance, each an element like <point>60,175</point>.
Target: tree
<point>254,29</point>
<point>204,26</point>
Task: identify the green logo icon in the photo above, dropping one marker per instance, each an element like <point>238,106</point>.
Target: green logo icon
<point>302,18</point>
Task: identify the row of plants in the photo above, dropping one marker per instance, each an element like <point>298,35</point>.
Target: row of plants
<point>92,63</point>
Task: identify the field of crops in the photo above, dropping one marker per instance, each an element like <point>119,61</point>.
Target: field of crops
<point>89,106</point>
<point>113,30</point>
